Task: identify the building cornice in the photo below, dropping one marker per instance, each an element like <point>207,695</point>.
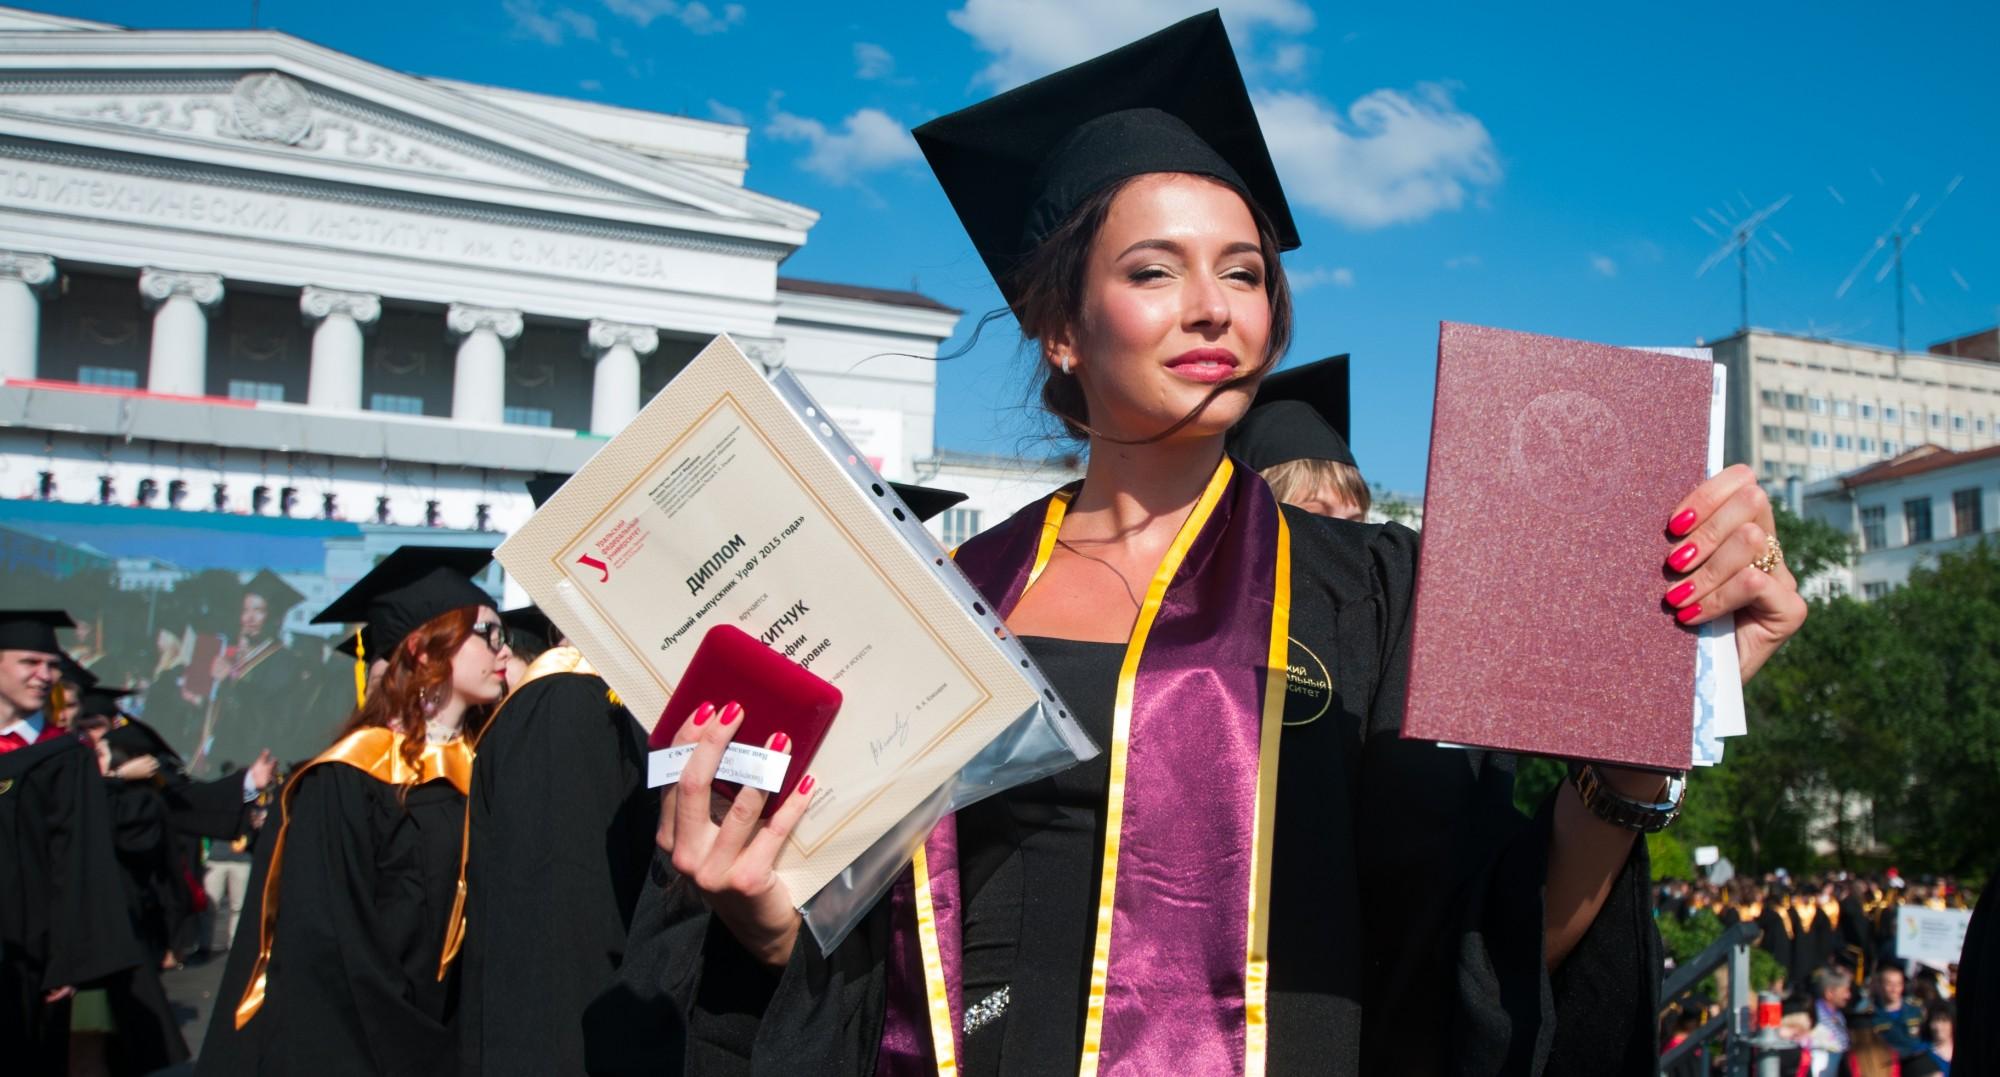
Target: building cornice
<point>375,198</point>
<point>113,55</point>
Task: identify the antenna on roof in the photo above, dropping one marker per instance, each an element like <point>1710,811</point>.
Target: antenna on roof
<point>1895,238</point>
<point>1741,240</point>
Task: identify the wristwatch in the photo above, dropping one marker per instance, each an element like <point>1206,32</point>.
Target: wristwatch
<point>1615,808</point>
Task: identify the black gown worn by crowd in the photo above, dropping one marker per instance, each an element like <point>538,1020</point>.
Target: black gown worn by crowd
<point>1406,902</point>
<point>365,896</point>
<point>61,925</point>
<point>148,1034</point>
<point>561,835</point>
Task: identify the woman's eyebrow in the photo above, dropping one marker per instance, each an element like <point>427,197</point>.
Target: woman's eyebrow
<point>1174,247</point>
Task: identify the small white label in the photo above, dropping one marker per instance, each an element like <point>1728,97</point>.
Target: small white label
<point>760,768</point>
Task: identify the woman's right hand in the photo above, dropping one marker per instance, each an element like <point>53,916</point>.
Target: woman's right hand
<point>724,848</point>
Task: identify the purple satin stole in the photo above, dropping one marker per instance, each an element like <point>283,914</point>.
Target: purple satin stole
<point>1175,979</point>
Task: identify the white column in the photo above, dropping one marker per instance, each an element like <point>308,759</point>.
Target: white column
<point>23,277</point>
<point>614,391</point>
<point>335,380</point>
<point>182,301</point>
<point>479,380</point>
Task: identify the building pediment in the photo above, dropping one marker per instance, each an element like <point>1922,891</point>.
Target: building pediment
<point>262,102</point>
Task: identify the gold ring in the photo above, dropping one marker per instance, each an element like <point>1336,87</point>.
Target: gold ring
<point>1772,557</point>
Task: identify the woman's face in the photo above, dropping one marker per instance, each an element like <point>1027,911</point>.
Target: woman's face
<point>478,672</point>
<point>1174,304</point>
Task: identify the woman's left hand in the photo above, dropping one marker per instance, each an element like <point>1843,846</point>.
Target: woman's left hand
<point>1719,532</point>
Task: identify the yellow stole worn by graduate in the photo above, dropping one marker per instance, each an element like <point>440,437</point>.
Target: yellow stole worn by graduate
<point>1179,967</point>
<point>378,753</point>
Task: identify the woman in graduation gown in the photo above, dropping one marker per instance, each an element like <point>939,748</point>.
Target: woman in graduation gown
<point>357,884</point>
<point>1241,883</point>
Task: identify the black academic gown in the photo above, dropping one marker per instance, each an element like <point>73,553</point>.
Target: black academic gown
<point>1406,916</point>
<point>259,709</point>
<point>1976,1048</point>
<point>562,830</point>
<point>1775,925</point>
<point>364,896</point>
<point>149,1035</point>
<point>63,918</point>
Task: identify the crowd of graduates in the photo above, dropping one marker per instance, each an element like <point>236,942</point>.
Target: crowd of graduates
<point>1849,1002</point>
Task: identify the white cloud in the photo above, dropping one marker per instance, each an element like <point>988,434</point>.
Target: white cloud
<point>590,85</point>
<point>1603,265</point>
<point>1307,279</point>
<point>1462,261</point>
<point>872,61</point>
<point>1393,157</point>
<point>727,114</point>
<point>581,25</point>
<point>694,15</point>
<point>1289,59</point>
<point>529,21</point>
<point>869,140</point>
<point>549,28</point>
<point>1029,38</point>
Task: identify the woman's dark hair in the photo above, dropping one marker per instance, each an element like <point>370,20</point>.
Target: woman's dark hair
<point>410,687</point>
<point>1048,287</point>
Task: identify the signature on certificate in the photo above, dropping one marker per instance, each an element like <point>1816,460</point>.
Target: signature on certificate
<point>899,735</point>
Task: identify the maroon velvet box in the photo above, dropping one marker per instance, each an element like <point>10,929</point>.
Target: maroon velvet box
<point>1539,623</point>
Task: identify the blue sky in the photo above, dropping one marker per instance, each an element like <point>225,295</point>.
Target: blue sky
<point>1538,167</point>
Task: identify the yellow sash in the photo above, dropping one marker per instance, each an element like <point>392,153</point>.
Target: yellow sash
<point>378,753</point>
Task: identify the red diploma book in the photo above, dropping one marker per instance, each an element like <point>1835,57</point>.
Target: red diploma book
<point>1539,624</point>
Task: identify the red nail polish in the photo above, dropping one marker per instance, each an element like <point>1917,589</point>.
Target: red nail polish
<point>1682,523</point>
<point>1680,559</point>
<point>1688,613</point>
<point>703,713</point>
<point>1680,594</point>
<point>806,784</point>
<point>779,742</point>
<point>731,713</point>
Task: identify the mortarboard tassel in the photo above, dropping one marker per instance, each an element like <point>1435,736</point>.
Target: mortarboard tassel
<point>360,669</point>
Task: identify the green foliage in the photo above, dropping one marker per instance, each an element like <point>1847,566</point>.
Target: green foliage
<point>1670,858</point>
<point>1534,776</point>
<point>1888,711</point>
<point>1686,939</point>
<point>1811,547</point>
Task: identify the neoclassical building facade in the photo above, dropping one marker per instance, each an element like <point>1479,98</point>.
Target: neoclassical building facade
<point>241,273</point>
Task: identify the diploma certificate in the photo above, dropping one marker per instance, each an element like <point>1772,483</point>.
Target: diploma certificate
<point>723,503</point>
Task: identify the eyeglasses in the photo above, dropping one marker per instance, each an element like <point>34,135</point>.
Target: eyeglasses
<point>493,632</point>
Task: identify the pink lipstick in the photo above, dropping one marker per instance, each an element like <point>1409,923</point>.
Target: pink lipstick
<point>1206,365</point>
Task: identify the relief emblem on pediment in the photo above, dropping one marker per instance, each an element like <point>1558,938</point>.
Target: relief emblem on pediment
<point>271,108</point>
<point>268,107</point>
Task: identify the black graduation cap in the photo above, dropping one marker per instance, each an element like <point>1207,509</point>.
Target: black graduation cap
<point>364,640</point>
<point>926,501</point>
<point>32,630</point>
<point>279,596</point>
<point>1017,165</point>
<point>100,700</point>
<point>544,486</point>
<point>131,737</point>
<point>532,622</point>
<point>410,586</point>
<point>1299,414</point>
